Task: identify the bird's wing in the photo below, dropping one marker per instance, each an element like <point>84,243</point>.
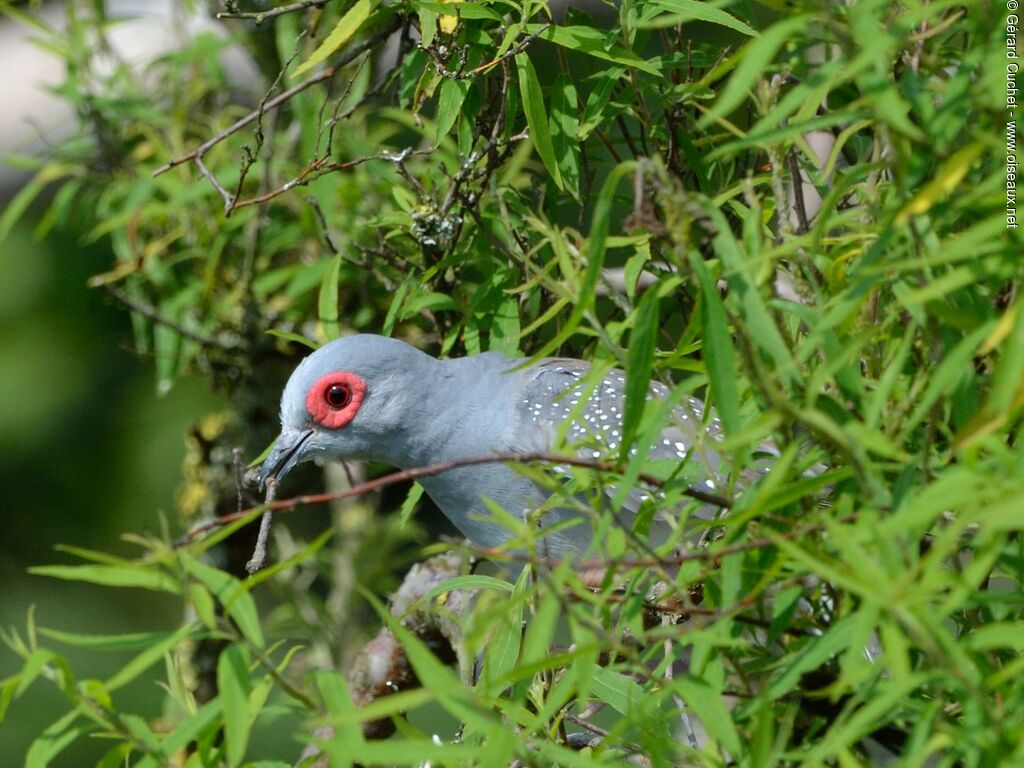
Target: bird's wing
<point>559,394</point>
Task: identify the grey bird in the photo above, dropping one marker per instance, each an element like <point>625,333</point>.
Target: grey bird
<point>375,398</point>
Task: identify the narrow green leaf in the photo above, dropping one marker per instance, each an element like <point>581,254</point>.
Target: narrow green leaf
<point>501,655</point>
<point>128,641</point>
<point>328,304</point>
<point>1007,391</point>
<point>754,59</point>
<point>592,42</point>
<point>298,338</point>
<point>599,228</point>
<point>505,329</point>
<point>33,667</point>
<point>472,581</point>
<point>396,302</point>
<point>815,652</point>
<point>15,208</point>
<point>565,124</point>
<point>639,365</point>
<point>232,594</point>
<point>142,577</point>
<point>147,658</point>
<point>945,181</point>
<point>706,702</point>
<point>682,11</point>
<point>204,721</point>
<point>233,686</point>
<point>451,693</point>
<point>55,739</point>
<point>536,117</point>
<point>409,505</point>
<point>540,629</point>
<point>346,743</point>
<point>347,26</point>
<point>449,103</point>
<point>719,356</point>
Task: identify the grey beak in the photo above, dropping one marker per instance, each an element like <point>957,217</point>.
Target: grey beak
<point>286,453</point>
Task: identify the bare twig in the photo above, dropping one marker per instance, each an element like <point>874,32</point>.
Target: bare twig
<point>260,16</point>
<point>258,561</point>
<point>435,469</point>
<point>322,166</point>
<point>151,313</point>
<point>798,192</point>
<point>326,74</point>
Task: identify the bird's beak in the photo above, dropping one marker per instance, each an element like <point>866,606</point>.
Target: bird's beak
<point>286,453</point>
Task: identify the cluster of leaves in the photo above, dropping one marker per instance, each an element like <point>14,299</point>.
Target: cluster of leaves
<point>632,187</point>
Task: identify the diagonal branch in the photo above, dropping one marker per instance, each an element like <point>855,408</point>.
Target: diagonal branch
<point>435,469</point>
<point>347,58</point>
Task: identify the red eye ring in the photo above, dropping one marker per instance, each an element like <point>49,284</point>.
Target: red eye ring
<point>335,398</point>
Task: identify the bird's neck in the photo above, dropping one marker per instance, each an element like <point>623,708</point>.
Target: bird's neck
<point>463,415</point>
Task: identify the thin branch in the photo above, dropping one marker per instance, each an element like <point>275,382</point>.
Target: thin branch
<point>260,16</point>
<point>798,192</point>
<point>326,74</point>
<point>151,313</point>
<point>435,469</point>
<point>258,561</point>
<point>322,166</point>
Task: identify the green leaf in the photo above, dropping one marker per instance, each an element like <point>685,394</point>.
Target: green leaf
<point>233,686</point>
<point>565,124</point>
<point>328,303</point>
<point>473,581</point>
<point>592,42</point>
<point>639,365</point>
<point>33,667</point>
<point>346,743</point>
<point>947,180</point>
<point>128,641</point>
<point>298,338</point>
<point>451,693</point>
<point>753,61</point>
<point>55,739</point>
<point>16,207</point>
<point>536,117</point>
<point>1009,374</point>
<point>706,702</point>
<point>205,720</point>
<point>396,305</point>
<point>347,26</point>
<point>624,695</point>
<point>718,347</point>
<point>142,577</point>
<point>147,658</point>
<point>411,500</point>
<point>816,651</point>
<point>682,11</point>
<point>599,227</point>
<point>449,103</point>
<point>232,594</point>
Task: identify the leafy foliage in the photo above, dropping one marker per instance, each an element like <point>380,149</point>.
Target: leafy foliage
<point>617,185</point>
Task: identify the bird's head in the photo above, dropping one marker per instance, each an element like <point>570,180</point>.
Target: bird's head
<point>347,400</point>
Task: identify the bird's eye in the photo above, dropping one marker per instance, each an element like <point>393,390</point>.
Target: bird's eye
<point>338,395</point>
<point>335,398</point>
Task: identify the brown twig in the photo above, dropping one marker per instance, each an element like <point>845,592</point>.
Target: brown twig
<point>258,561</point>
<point>326,74</point>
<point>435,469</point>
<point>151,313</point>
<point>260,16</point>
<point>322,166</point>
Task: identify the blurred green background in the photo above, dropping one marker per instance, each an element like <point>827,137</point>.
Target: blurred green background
<point>88,451</point>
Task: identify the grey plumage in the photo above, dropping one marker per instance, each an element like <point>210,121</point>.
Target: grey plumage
<point>418,410</point>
